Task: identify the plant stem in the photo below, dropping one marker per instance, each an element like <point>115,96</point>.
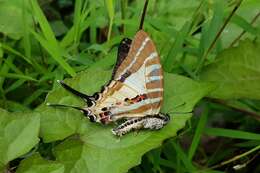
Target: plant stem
<point>243,32</point>
<point>236,157</point>
<point>200,65</point>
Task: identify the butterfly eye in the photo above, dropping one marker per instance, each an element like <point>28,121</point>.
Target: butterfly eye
<point>91,103</point>
<point>92,118</point>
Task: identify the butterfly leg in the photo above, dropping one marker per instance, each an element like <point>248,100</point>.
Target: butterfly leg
<point>153,122</point>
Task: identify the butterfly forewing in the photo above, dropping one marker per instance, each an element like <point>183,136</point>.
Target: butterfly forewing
<point>143,63</point>
<point>137,85</point>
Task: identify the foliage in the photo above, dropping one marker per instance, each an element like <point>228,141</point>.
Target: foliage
<point>236,72</point>
<point>213,46</point>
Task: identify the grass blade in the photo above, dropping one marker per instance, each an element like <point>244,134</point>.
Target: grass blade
<point>48,40</point>
<point>111,13</point>
<point>16,76</point>
<point>185,160</point>
<point>231,133</point>
<point>198,132</point>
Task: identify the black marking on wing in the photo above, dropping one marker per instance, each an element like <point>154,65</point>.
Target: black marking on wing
<point>124,76</point>
<point>122,53</point>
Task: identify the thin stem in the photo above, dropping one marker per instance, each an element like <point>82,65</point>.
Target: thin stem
<point>123,8</point>
<point>235,158</point>
<point>217,36</point>
<point>243,32</point>
<point>143,15</point>
<point>109,29</point>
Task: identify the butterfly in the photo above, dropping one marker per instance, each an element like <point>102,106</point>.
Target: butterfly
<point>134,93</point>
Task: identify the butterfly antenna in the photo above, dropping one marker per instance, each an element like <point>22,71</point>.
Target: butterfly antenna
<point>66,106</point>
<point>143,15</point>
<point>180,112</point>
<point>75,92</point>
<point>180,105</point>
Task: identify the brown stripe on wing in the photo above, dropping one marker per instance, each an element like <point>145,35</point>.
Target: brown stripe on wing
<point>152,62</point>
<point>135,46</point>
<point>145,53</point>
<point>155,94</point>
<point>139,110</point>
<point>155,84</point>
<point>142,51</point>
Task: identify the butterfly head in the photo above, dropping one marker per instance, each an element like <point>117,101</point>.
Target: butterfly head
<point>92,117</point>
<point>99,115</point>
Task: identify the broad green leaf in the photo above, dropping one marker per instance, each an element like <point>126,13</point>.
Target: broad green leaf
<point>236,72</point>
<point>18,134</point>
<point>36,164</point>
<point>2,167</point>
<point>98,150</point>
<point>13,106</point>
<point>57,124</point>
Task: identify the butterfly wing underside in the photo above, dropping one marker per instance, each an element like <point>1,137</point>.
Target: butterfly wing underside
<point>137,85</point>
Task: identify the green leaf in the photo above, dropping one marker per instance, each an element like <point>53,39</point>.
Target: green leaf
<point>12,106</point>
<point>11,18</point>
<point>18,134</point>
<point>57,124</point>
<point>236,72</point>
<point>37,164</point>
<point>98,150</point>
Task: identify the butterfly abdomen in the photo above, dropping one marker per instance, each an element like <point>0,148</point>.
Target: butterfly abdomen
<point>152,122</point>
